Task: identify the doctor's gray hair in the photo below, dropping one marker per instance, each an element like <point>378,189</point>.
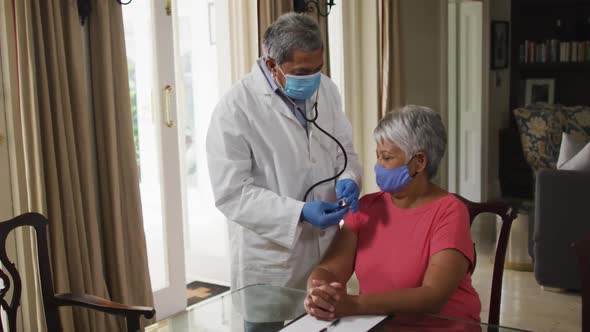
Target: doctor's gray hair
<point>413,129</point>
<point>291,32</point>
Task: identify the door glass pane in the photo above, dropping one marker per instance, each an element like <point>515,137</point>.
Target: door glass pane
<point>197,95</point>
<point>138,23</point>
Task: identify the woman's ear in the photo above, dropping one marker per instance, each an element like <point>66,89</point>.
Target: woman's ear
<point>421,162</point>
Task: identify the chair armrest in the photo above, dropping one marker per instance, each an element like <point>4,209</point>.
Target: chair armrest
<point>100,304</point>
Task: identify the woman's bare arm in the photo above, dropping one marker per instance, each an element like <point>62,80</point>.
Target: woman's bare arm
<point>327,283</point>
<point>443,275</point>
<point>338,262</point>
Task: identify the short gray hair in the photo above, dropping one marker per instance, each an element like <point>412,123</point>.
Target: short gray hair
<point>413,129</point>
<point>291,32</point>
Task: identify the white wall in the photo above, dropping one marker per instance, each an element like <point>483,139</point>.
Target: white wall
<point>499,102</point>
<point>421,51</point>
<point>424,58</point>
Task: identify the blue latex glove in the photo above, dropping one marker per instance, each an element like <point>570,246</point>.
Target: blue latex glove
<point>323,214</point>
<point>348,190</point>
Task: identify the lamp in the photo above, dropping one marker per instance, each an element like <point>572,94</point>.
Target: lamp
<point>302,6</point>
<point>84,8</point>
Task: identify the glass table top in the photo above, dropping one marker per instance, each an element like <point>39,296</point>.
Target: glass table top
<point>267,308</point>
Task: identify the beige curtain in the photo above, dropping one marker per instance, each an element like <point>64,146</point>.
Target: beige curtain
<point>122,237</point>
<point>390,89</point>
<point>21,245</point>
<point>270,10</point>
<point>95,219</point>
<point>243,39</point>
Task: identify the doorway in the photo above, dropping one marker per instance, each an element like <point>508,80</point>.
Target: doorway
<point>467,156</point>
<point>173,78</point>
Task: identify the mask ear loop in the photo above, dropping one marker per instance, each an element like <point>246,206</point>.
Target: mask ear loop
<point>314,106</point>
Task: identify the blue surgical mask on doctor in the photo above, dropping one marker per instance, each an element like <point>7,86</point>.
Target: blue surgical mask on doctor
<point>392,180</point>
<point>301,86</point>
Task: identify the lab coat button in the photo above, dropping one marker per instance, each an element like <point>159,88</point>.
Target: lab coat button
<point>313,160</point>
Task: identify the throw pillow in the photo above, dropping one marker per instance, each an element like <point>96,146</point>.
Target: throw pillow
<point>574,155</point>
<point>570,146</point>
<point>540,126</point>
<point>577,121</point>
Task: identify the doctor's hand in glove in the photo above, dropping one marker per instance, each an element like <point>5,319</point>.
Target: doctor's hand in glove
<point>348,190</point>
<point>323,214</point>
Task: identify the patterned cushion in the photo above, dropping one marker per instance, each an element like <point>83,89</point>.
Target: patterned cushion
<point>577,122</point>
<point>540,126</point>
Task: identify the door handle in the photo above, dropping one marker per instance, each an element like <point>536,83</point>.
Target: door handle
<point>169,7</point>
<point>167,94</point>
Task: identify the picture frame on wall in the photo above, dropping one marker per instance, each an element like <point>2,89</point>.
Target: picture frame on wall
<point>499,45</point>
<point>539,90</point>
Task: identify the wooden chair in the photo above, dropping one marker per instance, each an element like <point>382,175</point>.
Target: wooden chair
<point>582,248</point>
<point>508,214</point>
<point>52,301</point>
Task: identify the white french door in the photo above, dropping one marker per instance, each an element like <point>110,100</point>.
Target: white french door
<point>465,76</point>
<point>173,75</point>
<point>470,100</point>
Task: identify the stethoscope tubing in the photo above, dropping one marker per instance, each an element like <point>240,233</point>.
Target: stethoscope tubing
<point>313,121</point>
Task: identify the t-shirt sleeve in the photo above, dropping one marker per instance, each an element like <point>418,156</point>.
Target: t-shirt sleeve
<point>352,220</point>
<point>452,231</point>
<point>356,220</point>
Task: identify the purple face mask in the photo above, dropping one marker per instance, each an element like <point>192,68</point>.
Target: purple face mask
<point>392,180</point>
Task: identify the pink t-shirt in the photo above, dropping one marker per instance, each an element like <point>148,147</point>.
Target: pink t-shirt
<point>395,245</point>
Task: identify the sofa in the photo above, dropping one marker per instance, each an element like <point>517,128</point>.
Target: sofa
<point>561,198</point>
<point>562,216</point>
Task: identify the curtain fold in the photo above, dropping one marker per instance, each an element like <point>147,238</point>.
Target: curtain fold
<point>243,37</point>
<point>45,95</point>
<point>23,248</point>
<point>390,89</point>
<point>91,239</point>
<point>124,247</point>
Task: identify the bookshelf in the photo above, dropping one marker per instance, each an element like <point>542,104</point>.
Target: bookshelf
<point>551,39</point>
<point>542,35</point>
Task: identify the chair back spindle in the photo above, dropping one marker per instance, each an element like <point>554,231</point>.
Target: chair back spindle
<point>51,301</point>
<point>507,213</point>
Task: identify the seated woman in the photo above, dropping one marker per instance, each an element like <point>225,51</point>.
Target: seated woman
<point>410,243</point>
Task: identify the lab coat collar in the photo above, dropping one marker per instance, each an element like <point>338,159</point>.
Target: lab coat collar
<point>268,96</point>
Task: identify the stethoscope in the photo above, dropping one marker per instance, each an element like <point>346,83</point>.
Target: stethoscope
<point>313,121</point>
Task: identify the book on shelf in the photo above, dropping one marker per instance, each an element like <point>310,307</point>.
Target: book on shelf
<point>553,51</point>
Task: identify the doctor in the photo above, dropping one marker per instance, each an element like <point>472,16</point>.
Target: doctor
<point>264,154</point>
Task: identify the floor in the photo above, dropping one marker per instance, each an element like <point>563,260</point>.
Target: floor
<point>525,304</point>
<point>198,291</point>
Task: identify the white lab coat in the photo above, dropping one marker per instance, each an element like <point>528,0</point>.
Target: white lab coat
<point>261,163</point>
